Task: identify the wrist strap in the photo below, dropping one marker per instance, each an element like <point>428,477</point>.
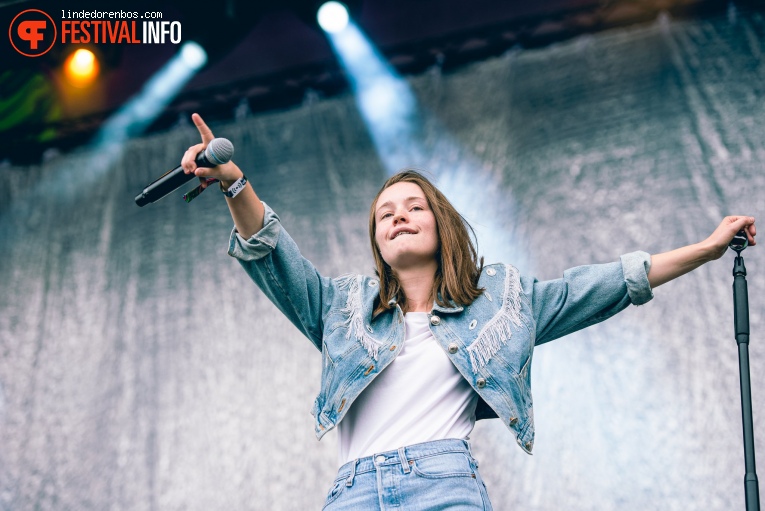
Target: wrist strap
<point>235,188</point>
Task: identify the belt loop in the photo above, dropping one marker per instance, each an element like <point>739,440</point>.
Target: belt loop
<point>349,481</point>
<point>403,460</point>
<point>470,452</point>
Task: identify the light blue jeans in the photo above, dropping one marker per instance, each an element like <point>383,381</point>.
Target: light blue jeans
<point>429,476</point>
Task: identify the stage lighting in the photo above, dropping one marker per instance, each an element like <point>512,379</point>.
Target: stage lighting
<point>193,55</point>
<point>81,67</point>
<point>332,17</point>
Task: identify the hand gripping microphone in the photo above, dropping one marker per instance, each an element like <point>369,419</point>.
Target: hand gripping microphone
<point>218,152</point>
<point>739,242</point>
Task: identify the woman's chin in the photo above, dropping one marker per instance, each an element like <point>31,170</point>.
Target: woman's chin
<point>410,262</point>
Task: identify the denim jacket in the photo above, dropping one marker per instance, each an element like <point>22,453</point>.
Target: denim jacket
<point>489,341</point>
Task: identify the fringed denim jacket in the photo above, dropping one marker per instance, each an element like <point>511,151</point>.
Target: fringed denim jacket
<point>490,341</point>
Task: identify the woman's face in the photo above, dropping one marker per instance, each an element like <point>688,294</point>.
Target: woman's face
<point>405,227</point>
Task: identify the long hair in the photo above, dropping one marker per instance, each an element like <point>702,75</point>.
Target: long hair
<point>459,267</point>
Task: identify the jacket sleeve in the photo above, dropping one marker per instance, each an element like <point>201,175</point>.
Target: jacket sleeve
<point>588,294</point>
<point>273,261</point>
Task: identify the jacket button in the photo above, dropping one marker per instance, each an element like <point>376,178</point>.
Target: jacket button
<point>491,272</point>
<point>513,421</point>
<point>480,383</point>
<point>453,348</point>
<point>435,320</point>
<point>528,446</point>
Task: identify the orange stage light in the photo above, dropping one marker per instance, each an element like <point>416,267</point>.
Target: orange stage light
<point>81,68</point>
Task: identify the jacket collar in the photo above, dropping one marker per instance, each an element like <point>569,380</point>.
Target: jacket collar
<point>453,307</point>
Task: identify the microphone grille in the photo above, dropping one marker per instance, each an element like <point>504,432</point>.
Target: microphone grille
<point>219,151</point>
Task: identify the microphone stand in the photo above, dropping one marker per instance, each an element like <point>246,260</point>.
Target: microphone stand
<point>741,320</point>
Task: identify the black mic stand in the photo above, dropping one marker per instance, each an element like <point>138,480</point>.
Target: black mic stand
<point>741,320</point>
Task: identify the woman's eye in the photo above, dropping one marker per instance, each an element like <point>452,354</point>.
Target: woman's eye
<point>385,215</point>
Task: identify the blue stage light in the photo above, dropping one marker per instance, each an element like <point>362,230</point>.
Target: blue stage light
<point>406,135</point>
<point>193,55</point>
<point>332,17</point>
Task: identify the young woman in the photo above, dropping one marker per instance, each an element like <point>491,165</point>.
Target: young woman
<point>413,357</point>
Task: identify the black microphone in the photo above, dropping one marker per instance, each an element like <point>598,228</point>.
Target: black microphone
<point>218,152</point>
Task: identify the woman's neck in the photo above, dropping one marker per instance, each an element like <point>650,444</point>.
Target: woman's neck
<point>417,286</point>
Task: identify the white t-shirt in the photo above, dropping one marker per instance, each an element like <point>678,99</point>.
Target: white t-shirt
<point>419,397</point>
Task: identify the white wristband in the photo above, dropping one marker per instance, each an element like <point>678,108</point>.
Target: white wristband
<point>235,188</point>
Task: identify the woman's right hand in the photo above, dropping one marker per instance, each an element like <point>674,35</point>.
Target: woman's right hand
<point>226,173</point>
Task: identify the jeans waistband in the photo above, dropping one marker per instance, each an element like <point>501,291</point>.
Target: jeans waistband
<point>400,456</point>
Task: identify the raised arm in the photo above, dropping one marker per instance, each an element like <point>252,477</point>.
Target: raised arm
<point>670,265</point>
<point>246,208</point>
<point>266,251</point>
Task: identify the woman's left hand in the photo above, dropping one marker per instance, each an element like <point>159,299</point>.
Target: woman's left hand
<point>670,265</point>
<point>717,242</point>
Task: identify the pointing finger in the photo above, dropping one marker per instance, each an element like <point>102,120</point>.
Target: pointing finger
<point>204,131</point>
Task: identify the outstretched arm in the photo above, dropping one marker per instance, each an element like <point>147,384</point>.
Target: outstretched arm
<point>670,265</point>
<point>246,208</point>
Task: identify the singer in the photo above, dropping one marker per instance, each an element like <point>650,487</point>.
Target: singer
<point>435,341</point>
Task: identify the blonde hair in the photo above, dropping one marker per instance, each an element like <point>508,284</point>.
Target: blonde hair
<point>459,267</point>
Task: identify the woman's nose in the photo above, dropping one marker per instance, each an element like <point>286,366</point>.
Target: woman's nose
<point>399,217</point>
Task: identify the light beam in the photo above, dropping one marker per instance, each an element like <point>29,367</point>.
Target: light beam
<point>72,174</point>
<point>406,136</point>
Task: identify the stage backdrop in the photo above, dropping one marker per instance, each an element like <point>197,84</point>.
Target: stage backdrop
<point>141,370</point>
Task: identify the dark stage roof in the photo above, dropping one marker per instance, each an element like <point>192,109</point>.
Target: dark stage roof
<point>268,55</point>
